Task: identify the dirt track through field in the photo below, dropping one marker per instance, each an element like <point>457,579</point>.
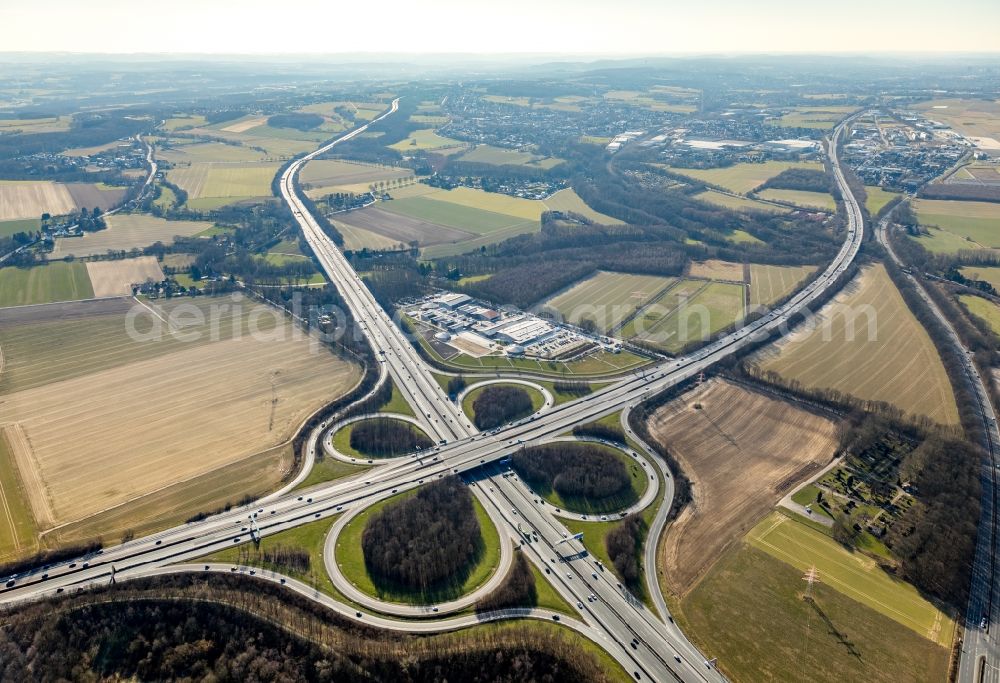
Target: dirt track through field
<point>742,451</point>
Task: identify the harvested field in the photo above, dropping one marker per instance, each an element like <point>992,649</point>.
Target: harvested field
<point>249,179</point>
<point>321,176</point>
<point>400,228</point>
<point>80,391</point>
<point>427,139</point>
<point>245,124</point>
<point>742,451</point>
<point>770,283</point>
<point>127,231</point>
<point>608,299</point>
<point>115,278</point>
<point>713,269</point>
<point>868,344</point>
<point>32,198</point>
<point>56,281</point>
<point>91,195</point>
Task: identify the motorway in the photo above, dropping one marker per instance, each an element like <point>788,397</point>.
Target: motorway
<point>648,647</point>
<point>980,657</point>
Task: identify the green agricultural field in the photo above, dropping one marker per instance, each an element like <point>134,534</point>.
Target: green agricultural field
<point>496,156</point>
<point>609,299</point>
<point>425,139</point>
<point>828,638</point>
<point>206,180</point>
<point>181,152</point>
<point>868,344</point>
<point>939,241</point>
<point>742,178</point>
<point>455,215</point>
<point>715,306</point>
<point>978,222</point>
<point>659,309</point>
<point>494,202</point>
<point>166,199</point>
<point>853,574</point>
<point>770,283</point>
<point>728,201</point>
<point>984,309</point>
<point>56,281</point>
<point>743,237</point>
<point>18,535</point>
<point>568,200</point>
<point>877,198</point>
<point>179,122</point>
<point>811,200</point>
<point>821,118</point>
<point>351,560</point>
<point>8,228</point>
<point>989,274</point>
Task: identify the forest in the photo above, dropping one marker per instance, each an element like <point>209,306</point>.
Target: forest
<point>224,630</point>
<point>500,404</point>
<point>424,541</point>
<point>384,437</point>
<point>573,470</point>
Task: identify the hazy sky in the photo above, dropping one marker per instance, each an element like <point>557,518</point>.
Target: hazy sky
<point>499,26</point>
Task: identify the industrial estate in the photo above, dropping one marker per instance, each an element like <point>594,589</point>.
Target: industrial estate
<point>650,370</point>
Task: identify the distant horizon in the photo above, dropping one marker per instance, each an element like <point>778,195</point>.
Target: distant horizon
<point>465,27</point>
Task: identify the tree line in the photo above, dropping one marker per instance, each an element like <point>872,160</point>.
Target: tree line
<point>602,431</point>
<point>517,590</point>
<point>189,627</point>
<point>425,541</point>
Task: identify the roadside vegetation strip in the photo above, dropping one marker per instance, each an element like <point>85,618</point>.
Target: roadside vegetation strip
<point>741,450</point>
<point>868,344</point>
<point>49,283</point>
<point>827,638</point>
<point>349,557</point>
<point>856,576</point>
